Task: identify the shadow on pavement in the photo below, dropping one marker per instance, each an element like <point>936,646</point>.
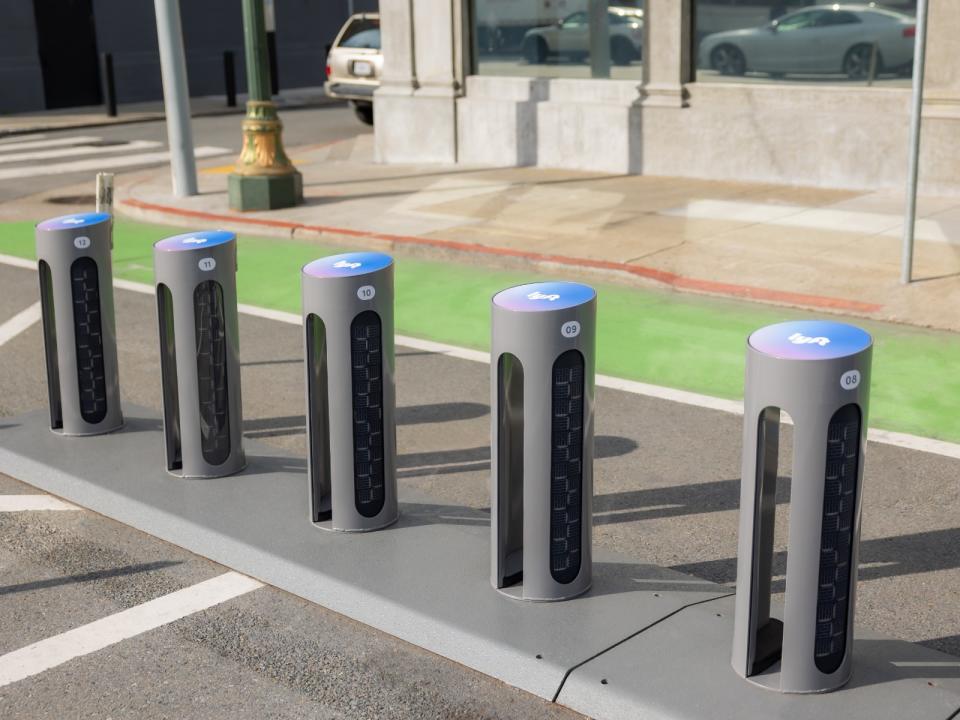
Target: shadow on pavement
<point>88,577</point>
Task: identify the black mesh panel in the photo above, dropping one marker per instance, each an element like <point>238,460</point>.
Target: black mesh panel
<point>211,334</point>
<point>836,538</point>
<point>366,355</point>
<point>566,467</point>
<point>91,382</point>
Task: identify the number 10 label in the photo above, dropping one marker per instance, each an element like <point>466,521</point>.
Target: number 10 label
<point>366,292</point>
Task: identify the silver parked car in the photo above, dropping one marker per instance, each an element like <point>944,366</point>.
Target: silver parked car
<point>820,39</point>
<point>571,37</point>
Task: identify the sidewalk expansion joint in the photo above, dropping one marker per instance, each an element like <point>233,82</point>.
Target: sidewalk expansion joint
<point>635,634</point>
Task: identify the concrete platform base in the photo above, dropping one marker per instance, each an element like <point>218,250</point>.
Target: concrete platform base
<point>644,642</point>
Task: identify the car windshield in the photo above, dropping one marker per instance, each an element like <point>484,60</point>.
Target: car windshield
<point>362,33</point>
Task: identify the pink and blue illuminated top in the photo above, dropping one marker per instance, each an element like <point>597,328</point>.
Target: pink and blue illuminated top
<point>540,297</point>
<point>810,340</point>
<point>200,240</point>
<point>72,222</point>
<point>347,264</point>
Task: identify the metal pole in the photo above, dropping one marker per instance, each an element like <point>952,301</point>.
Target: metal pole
<point>230,78</point>
<point>916,107</point>
<point>109,85</point>
<point>176,98</point>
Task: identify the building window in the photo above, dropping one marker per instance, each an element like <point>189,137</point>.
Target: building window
<point>558,38</point>
<point>805,41</point>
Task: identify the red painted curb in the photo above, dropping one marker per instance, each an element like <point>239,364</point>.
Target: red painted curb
<point>662,276</point>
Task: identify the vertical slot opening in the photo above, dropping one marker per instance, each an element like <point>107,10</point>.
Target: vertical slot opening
<point>168,379</point>
<point>211,338</point>
<point>88,335</point>
<point>510,468</point>
<point>836,538</point>
<point>566,466</point>
<point>771,531</point>
<point>366,359</point>
<point>318,438</point>
<point>50,345</point>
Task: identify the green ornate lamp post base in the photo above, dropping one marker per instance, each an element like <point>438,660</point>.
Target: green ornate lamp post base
<point>264,178</point>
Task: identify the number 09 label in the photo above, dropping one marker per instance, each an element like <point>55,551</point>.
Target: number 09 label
<point>570,329</point>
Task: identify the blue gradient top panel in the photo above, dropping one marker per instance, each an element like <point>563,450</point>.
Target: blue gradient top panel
<point>196,240</point>
<point>810,340</point>
<point>69,222</point>
<point>347,264</point>
<point>540,297</point>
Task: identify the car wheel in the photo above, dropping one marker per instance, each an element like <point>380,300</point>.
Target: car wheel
<point>621,51</point>
<point>534,50</point>
<point>364,112</point>
<point>728,60</point>
<point>856,63</point>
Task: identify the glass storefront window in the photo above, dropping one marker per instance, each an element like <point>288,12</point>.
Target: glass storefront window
<point>807,41</point>
<point>558,38</point>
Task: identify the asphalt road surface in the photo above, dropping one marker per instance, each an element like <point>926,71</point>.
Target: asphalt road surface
<point>31,164</point>
<point>666,486</point>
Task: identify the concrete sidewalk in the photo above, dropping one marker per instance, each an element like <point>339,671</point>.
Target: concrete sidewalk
<point>82,117</point>
<point>828,250</point>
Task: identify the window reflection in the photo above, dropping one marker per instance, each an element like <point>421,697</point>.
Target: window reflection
<point>773,40</point>
<point>558,38</point>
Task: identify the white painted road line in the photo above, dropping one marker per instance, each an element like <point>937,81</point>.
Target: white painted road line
<point>81,150</point>
<point>55,142</point>
<point>23,503</point>
<point>45,654</point>
<point>734,407</point>
<point>19,139</point>
<point>103,163</point>
<point>18,323</point>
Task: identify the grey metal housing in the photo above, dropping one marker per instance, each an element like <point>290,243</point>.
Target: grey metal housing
<point>529,373</point>
<point>200,356</point>
<point>350,393</point>
<point>810,648</point>
<point>79,329</point>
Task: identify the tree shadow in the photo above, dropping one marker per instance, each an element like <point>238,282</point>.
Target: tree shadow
<point>88,577</point>
<point>674,501</point>
<point>879,558</point>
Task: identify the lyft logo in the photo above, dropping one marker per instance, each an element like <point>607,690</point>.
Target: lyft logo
<point>345,264</point>
<point>73,221</point>
<point>801,339</point>
<point>537,295</point>
<point>194,241</point>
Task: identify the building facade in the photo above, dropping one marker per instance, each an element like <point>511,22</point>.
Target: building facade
<point>777,91</point>
<point>50,49</point>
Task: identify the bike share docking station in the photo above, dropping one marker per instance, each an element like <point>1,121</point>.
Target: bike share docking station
<point>79,328</point>
<point>541,494</point>
<point>349,363</point>
<point>196,281</point>
<point>819,373</point>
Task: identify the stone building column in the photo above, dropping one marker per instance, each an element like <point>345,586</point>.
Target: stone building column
<point>940,139</point>
<point>667,52</point>
<point>415,107</point>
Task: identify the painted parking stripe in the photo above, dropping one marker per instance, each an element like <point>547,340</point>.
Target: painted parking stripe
<point>103,163</point>
<point>634,387</point>
<point>63,152</point>
<point>23,503</point>
<point>55,142</point>
<point>18,323</point>
<point>51,652</point>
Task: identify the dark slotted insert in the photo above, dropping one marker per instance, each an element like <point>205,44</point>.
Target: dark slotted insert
<point>836,538</point>
<point>367,374</point>
<point>211,335</point>
<point>566,467</point>
<point>87,326</point>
